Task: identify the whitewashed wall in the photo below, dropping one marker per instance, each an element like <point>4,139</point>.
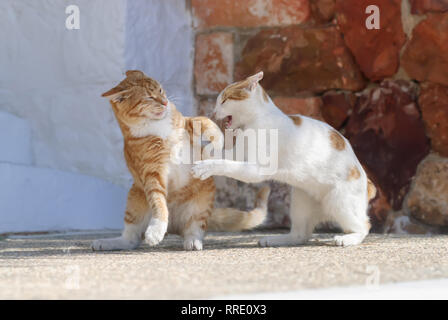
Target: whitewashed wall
<point>159,41</point>
<point>52,78</point>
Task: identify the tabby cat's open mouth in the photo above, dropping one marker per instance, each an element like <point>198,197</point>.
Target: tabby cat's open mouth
<point>228,122</point>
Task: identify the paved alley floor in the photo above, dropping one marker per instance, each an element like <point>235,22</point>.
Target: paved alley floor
<point>62,266</point>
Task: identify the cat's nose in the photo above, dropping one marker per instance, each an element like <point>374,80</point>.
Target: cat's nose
<point>165,102</point>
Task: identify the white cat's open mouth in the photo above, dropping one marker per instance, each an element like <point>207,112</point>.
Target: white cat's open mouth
<point>228,122</point>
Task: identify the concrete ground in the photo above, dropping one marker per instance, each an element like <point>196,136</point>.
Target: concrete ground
<point>62,266</point>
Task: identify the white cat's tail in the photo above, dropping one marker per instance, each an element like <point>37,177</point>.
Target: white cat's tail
<point>229,219</point>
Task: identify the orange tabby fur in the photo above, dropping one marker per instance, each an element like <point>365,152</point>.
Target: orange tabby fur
<point>162,191</point>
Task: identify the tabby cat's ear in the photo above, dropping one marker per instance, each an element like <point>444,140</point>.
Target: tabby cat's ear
<point>135,74</point>
<point>254,80</point>
<point>117,94</point>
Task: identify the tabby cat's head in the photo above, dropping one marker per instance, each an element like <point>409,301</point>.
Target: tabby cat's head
<point>138,98</point>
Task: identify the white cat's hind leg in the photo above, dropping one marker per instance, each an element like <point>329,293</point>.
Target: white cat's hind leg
<point>350,212</point>
<point>304,214</point>
<point>351,239</point>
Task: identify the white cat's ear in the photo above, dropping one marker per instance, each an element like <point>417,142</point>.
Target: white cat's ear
<point>254,80</point>
<point>117,94</point>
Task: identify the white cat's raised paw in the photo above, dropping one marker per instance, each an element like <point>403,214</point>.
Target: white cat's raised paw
<point>192,244</point>
<point>155,232</point>
<point>207,168</point>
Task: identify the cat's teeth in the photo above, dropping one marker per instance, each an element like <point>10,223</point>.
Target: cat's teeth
<point>228,122</point>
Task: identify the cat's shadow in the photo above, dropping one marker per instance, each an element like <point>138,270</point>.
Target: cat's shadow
<point>45,247</point>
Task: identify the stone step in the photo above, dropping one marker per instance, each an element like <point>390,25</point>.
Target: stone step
<point>40,199</point>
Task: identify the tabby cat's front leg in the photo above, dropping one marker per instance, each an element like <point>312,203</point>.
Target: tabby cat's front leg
<point>155,191</point>
<point>158,224</point>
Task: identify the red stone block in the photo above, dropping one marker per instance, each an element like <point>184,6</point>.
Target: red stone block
<point>426,55</point>
<point>376,51</point>
<point>337,107</point>
<point>322,11</point>
<point>433,102</point>
<point>388,136</point>
<point>300,60</point>
<point>248,13</point>
<point>425,6</point>
<point>309,107</point>
<point>213,63</point>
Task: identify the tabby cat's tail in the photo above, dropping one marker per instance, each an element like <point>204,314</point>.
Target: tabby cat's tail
<point>229,219</point>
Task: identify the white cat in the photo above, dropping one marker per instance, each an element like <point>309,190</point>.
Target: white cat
<point>329,183</point>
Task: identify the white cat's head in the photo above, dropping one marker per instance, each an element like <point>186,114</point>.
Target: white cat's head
<point>240,102</point>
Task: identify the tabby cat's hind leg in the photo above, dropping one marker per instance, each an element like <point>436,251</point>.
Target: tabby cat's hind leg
<point>136,221</point>
<point>194,231</point>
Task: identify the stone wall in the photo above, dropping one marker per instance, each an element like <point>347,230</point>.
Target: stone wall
<point>386,90</point>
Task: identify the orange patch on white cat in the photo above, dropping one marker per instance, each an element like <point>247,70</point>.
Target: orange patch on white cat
<point>336,140</point>
<point>371,190</point>
<point>368,225</point>
<point>236,91</point>
<point>296,119</point>
<point>353,174</point>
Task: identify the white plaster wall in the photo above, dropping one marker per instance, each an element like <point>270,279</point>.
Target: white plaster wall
<point>53,77</point>
<point>159,41</point>
<point>15,140</point>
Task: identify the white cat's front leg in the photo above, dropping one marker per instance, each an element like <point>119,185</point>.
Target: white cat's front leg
<point>211,167</point>
<point>242,171</point>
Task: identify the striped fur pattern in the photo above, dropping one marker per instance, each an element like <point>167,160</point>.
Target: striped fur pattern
<point>165,197</point>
